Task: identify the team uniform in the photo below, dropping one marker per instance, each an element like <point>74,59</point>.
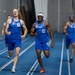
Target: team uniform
<point>71,34</point>
<point>15,36</point>
<point>42,38</point>
<point>6,36</point>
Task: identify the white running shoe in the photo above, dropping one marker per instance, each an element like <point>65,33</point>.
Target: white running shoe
<point>8,57</point>
<point>13,70</point>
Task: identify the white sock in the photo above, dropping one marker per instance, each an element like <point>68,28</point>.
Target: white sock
<point>71,57</point>
<point>14,67</point>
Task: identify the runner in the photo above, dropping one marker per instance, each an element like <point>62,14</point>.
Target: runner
<point>40,29</point>
<point>69,30</point>
<point>14,25</point>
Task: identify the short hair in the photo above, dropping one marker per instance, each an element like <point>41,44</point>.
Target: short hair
<point>72,16</point>
<point>15,9</point>
<point>8,15</point>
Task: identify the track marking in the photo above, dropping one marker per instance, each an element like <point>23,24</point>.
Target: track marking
<point>35,65</point>
<point>1,42</point>
<point>5,50</point>
<point>60,70</point>
<point>69,71</point>
<point>1,68</point>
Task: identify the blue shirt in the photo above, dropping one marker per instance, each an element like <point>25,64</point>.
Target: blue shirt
<point>15,29</point>
<point>42,32</point>
<point>71,30</point>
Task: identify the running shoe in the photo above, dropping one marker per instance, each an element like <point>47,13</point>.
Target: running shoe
<point>42,70</point>
<point>8,57</point>
<point>13,70</point>
<point>71,60</point>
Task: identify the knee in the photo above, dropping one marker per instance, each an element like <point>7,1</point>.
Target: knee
<point>67,47</point>
<point>73,45</point>
<point>10,54</point>
<point>17,54</point>
<point>47,56</point>
<point>6,45</point>
<point>38,57</point>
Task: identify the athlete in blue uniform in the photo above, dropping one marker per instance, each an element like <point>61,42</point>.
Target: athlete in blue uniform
<point>14,25</point>
<point>3,31</point>
<point>69,30</point>
<point>6,36</point>
<point>40,29</point>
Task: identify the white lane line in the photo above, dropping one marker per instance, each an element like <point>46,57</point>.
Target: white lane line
<point>36,63</point>
<point>1,42</point>
<point>25,39</point>
<point>36,66</point>
<point>32,67</point>
<point>5,50</point>
<point>60,70</point>
<point>69,71</point>
<point>1,68</point>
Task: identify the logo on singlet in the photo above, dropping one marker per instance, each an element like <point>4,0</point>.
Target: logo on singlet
<point>72,26</point>
<point>13,23</point>
<point>18,24</point>
<point>43,30</point>
<point>37,26</point>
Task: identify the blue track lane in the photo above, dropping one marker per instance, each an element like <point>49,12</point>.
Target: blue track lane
<point>28,59</point>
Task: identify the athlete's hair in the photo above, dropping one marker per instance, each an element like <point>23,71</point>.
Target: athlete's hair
<point>72,16</point>
<point>15,9</point>
<point>8,15</point>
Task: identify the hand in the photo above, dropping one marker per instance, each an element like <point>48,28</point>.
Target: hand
<point>2,34</point>
<point>52,45</point>
<point>36,34</point>
<point>66,34</point>
<point>8,33</point>
<point>22,36</point>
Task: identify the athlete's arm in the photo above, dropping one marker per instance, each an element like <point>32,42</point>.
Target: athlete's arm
<point>3,30</point>
<point>65,27</point>
<point>24,29</point>
<point>50,32</point>
<point>7,27</point>
<point>33,33</point>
